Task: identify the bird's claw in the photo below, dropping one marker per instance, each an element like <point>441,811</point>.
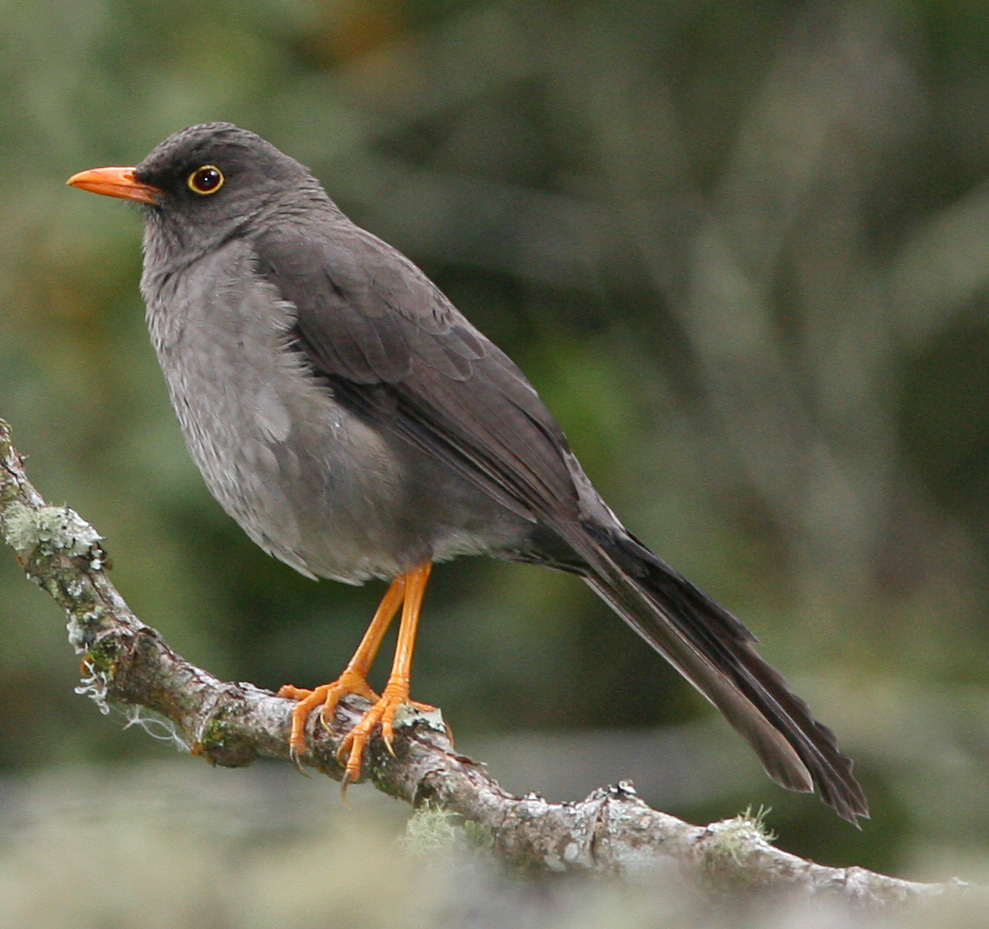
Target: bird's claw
<point>295,756</point>
<point>350,752</point>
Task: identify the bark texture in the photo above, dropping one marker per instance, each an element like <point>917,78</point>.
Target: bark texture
<point>611,832</point>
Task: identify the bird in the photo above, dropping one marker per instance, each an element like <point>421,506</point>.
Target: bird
<point>357,426</point>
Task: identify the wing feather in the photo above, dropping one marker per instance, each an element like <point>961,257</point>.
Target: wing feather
<point>394,349</point>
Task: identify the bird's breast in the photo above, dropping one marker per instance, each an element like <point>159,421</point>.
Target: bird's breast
<point>307,480</point>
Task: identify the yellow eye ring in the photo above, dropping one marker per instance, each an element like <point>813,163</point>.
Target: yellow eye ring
<point>205,180</point>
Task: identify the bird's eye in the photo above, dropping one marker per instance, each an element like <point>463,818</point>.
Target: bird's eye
<point>205,180</point>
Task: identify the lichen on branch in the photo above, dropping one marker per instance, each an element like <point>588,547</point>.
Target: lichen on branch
<point>612,831</point>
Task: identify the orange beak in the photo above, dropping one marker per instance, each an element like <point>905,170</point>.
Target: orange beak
<point>115,182</point>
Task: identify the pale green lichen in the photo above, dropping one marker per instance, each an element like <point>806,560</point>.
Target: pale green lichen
<point>408,715</point>
<point>731,838</point>
<point>432,831</point>
<point>94,685</point>
<point>155,725</point>
<point>78,622</point>
<point>53,530</point>
<point>480,835</point>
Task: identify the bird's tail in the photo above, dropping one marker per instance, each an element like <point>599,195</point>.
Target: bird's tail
<point>716,653</point>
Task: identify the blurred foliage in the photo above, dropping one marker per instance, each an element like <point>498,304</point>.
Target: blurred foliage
<point>741,248</point>
<point>174,845</point>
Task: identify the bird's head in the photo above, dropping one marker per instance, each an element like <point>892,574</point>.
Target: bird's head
<point>206,184</point>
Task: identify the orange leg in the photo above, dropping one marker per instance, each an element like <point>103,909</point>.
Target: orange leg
<point>408,588</point>
<point>396,692</point>
<point>354,677</point>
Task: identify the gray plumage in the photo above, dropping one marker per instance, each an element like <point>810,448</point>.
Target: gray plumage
<point>356,424</point>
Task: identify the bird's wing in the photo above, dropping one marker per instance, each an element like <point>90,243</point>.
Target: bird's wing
<point>394,349</point>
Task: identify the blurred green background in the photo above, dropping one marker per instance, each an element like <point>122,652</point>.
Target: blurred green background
<point>741,248</point>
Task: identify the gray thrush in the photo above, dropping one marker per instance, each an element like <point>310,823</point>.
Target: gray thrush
<point>357,426</point>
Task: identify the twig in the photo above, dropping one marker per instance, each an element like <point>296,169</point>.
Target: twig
<point>610,832</point>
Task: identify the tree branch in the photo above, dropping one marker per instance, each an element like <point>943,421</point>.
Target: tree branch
<point>610,832</point>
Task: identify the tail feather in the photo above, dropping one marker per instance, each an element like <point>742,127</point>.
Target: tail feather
<point>715,652</point>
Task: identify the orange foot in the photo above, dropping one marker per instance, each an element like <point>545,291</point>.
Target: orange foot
<point>329,695</point>
<point>393,697</point>
<point>405,591</point>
